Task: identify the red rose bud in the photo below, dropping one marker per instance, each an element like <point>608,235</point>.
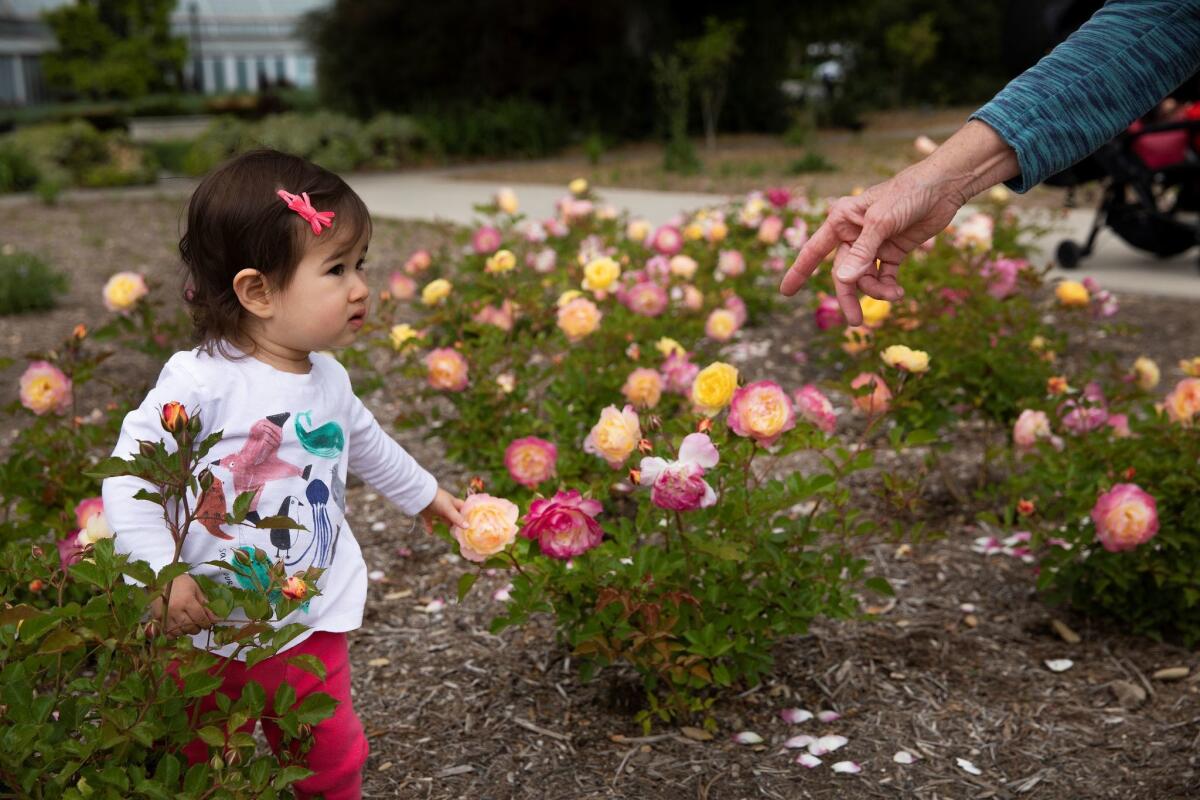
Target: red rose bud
<point>80,331</point>
<point>645,447</point>
<point>1129,473</point>
<point>705,425</point>
<point>1025,507</point>
<point>476,485</point>
<point>174,417</point>
<point>635,477</point>
<point>294,588</point>
<point>36,585</point>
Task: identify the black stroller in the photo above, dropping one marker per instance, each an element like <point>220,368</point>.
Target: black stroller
<point>1151,205</point>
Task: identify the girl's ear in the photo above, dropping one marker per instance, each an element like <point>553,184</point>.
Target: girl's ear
<point>254,293</point>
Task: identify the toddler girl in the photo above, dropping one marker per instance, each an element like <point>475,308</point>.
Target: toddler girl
<point>274,252</point>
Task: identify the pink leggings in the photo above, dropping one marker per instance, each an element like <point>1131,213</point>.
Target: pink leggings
<point>339,748</point>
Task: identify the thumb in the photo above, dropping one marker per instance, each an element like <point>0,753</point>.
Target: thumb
<point>860,257</point>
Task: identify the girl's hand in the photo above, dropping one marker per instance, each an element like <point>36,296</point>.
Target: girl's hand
<point>188,611</point>
<point>444,506</point>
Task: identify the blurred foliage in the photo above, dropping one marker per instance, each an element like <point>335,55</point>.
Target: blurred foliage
<point>27,283</point>
<point>114,48</point>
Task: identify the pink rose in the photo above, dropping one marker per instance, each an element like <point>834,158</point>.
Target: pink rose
<point>1182,403</point>
<point>778,197</point>
<point>797,235</point>
<point>679,485</point>
<point>761,411</point>
<point>1125,517</point>
<point>679,373</point>
<point>530,461</point>
<point>45,388</point>
<point>419,261</point>
<point>86,509</point>
<point>731,263</point>
<point>69,550</point>
<point>491,526</point>
<point>1002,274</point>
<point>736,305</point>
<point>815,407</point>
<point>485,240</point>
<point>501,316</point>
<point>667,240</point>
<point>878,400</point>
<point>645,298</point>
<point>543,261</point>
<point>564,525</point>
<point>828,313</point>
<point>1119,424</point>
<point>770,230</point>
<point>1032,426</point>
<point>447,369</point>
<point>401,286</point>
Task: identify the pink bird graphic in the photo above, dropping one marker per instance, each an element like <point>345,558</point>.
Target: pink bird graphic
<point>257,462</point>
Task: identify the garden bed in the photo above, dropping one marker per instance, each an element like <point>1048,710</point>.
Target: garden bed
<point>455,711</point>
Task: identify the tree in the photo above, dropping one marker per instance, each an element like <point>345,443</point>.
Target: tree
<point>709,58</point>
<point>114,49</point>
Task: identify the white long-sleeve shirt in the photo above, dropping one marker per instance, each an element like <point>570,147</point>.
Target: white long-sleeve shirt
<point>288,437</point>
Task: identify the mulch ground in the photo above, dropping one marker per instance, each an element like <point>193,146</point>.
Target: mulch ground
<point>955,669</point>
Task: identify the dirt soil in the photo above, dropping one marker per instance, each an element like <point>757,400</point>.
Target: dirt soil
<point>955,669</point>
<point>742,162</point>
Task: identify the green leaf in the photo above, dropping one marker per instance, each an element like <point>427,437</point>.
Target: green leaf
<point>289,775</point>
<point>201,684</point>
<point>315,707</point>
<point>197,779</point>
<point>880,584</point>
<point>153,497</point>
<point>60,641</point>
<point>919,437</point>
<point>110,468</point>
<point>465,582</point>
<point>241,506</point>
<point>212,736</point>
<point>88,571</point>
<point>310,664</point>
<point>285,698</point>
<point>140,571</point>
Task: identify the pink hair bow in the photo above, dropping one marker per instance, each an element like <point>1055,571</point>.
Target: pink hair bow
<point>302,206</point>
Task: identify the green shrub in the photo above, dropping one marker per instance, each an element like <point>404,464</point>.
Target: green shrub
<point>395,139</point>
<point>28,284</point>
<point>506,128</point>
<point>76,154</point>
<point>811,161</point>
<point>17,170</point>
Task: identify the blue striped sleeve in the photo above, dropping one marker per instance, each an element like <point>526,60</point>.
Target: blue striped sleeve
<point>1115,68</point>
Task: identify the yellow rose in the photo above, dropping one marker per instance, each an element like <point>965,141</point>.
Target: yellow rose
<point>614,436</point>
<point>717,232</point>
<point>506,201</point>
<point>601,274</point>
<point>568,296</point>
<point>500,261</point>
<point>714,387</point>
<point>643,387</point>
<point>721,325</point>
<point>123,291</point>
<point>693,232</point>
<point>905,358</point>
<point>403,333</point>
<point>999,195</point>
<point>1146,373</point>
<point>1072,294</point>
<point>669,347</point>
<point>579,318</point>
<point>578,187</point>
<point>1191,366</point>
<point>436,291</point>
<point>874,311</point>
<point>638,230</point>
<point>1037,344</point>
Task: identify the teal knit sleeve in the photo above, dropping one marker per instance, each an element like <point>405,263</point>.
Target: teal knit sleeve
<point>1114,69</point>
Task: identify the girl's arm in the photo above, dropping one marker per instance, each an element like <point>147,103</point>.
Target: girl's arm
<point>380,461</point>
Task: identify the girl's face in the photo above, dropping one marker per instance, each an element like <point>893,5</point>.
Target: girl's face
<point>326,302</point>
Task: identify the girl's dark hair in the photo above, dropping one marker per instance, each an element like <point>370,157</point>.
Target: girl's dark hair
<point>236,220</point>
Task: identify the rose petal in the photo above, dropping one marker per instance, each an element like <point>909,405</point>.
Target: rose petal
<point>1059,664</point>
<point>503,594</point>
<point>747,737</point>
<point>435,606</point>
<point>796,742</point>
<point>375,574</point>
<point>794,716</point>
<point>848,767</point>
<point>806,760</point>
<point>967,766</point>
<point>828,716</point>
<point>903,757</point>
<point>827,744</point>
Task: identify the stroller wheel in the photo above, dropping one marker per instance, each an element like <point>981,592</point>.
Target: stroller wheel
<point>1068,254</point>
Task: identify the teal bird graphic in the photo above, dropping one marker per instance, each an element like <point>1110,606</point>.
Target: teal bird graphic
<point>255,578</point>
<point>327,441</point>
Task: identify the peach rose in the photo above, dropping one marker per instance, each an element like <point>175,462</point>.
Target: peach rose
<point>878,400</point>
<point>1183,403</point>
<point>643,388</point>
<point>638,230</point>
<point>721,325</point>
<point>123,291</point>
<point>447,369</point>
<point>1146,373</point>
<point>761,411</point>
<point>506,201</point>
<point>530,461</point>
<point>44,388</point>
<point>578,318</point>
<point>418,262</point>
<point>682,266</point>
<point>615,436</point>
<point>491,526</point>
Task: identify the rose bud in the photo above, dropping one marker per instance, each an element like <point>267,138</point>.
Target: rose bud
<point>174,417</point>
<point>1025,507</point>
<point>705,425</point>
<point>294,588</point>
<point>635,477</point>
<point>476,485</point>
<point>36,585</point>
<point>80,331</point>
<point>644,446</point>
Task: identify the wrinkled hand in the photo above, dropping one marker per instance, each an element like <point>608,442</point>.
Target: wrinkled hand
<point>445,506</point>
<point>886,222</point>
<point>188,610</point>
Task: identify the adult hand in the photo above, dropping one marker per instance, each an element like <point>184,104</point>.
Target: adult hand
<point>883,224</point>
<point>188,610</point>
